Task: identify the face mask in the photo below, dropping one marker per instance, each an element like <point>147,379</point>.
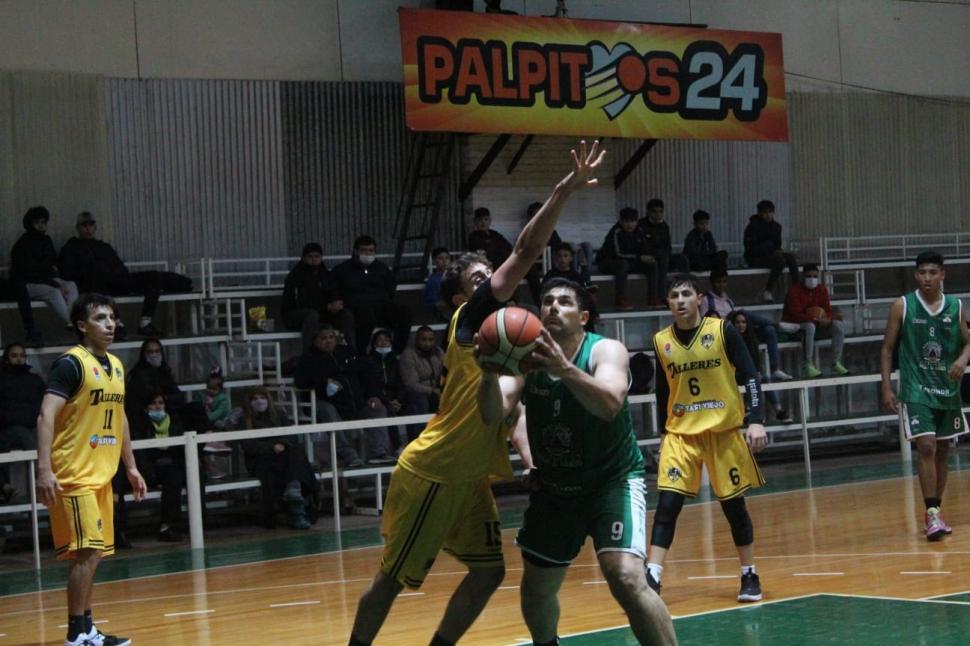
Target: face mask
<point>811,283</point>
<point>154,360</point>
<point>259,405</point>
<point>366,260</point>
<point>383,351</point>
<point>332,389</point>
<point>157,415</point>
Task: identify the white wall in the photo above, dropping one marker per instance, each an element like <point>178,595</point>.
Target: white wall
<point>901,46</point>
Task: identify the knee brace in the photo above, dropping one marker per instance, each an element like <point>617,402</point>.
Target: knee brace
<point>665,519</point>
<point>737,515</point>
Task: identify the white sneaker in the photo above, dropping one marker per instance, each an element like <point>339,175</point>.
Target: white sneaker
<point>781,375</point>
<point>768,297</point>
<point>82,640</point>
<point>97,638</point>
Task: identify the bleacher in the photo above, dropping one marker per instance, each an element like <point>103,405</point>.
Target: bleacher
<point>216,320</point>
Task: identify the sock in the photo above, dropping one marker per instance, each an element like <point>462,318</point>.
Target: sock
<point>931,502</point>
<point>75,627</point>
<point>438,640</point>
<point>747,569</point>
<point>553,642</point>
<point>88,621</point>
<point>356,642</point>
<point>655,571</point>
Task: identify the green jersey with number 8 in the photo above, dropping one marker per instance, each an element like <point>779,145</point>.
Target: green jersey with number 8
<point>929,343</point>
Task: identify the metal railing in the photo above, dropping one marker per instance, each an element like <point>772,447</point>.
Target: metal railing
<point>890,248</point>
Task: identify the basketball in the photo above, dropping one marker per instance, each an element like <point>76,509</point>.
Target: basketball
<point>507,336</point>
<point>817,313</point>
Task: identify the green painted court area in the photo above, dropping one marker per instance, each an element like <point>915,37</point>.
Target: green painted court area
<point>818,619</point>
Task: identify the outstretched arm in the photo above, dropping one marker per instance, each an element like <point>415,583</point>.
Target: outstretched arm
<point>534,236</point>
<point>893,325</point>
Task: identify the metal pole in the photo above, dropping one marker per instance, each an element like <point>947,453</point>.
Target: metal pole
<point>34,524</point>
<point>804,416</point>
<point>336,482</point>
<point>193,488</point>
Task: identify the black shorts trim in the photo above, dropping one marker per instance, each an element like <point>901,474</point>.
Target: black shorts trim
<point>415,529</point>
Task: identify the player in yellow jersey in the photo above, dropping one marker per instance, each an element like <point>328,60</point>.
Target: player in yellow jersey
<point>439,496</point>
<point>701,361</point>
<point>82,431</point>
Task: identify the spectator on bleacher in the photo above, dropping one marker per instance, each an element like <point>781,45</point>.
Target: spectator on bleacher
<point>335,374</point>
<point>422,366</point>
<point>368,285</point>
<point>162,467</point>
<point>739,320</point>
<point>21,392</point>
<point>582,252</point>
<point>96,267</point>
<point>14,290</point>
<point>808,308</point>
<point>700,248</point>
<point>382,376</point>
<point>440,257</point>
<point>279,463</point>
<point>660,251</point>
<point>563,266</point>
<point>624,252</point>
<point>33,262</point>
<point>311,296</point>
<point>719,304</point>
<point>496,247</point>
<point>151,374</point>
<point>763,248</point>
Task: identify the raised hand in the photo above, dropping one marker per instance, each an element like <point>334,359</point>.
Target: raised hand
<point>585,164</point>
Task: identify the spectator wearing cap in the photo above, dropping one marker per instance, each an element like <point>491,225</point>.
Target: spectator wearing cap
<point>311,296</point>
<point>700,248</point>
<point>33,262</point>
<point>96,267</point>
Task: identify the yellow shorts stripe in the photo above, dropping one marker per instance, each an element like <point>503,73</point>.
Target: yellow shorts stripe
<point>415,529</point>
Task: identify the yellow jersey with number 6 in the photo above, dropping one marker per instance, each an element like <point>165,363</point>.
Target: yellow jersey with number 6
<point>89,430</point>
<point>704,394</point>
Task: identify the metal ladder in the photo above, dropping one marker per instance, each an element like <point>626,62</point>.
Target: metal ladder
<point>420,205</point>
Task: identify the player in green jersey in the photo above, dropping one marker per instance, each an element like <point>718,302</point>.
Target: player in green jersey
<point>588,478</point>
<point>934,347</point>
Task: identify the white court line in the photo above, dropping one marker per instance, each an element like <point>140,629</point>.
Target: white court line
<point>593,582</point>
<point>948,594</point>
<point>918,572</point>
<point>713,576</point>
<point>293,603</point>
<point>411,594</point>
<point>818,574</point>
<point>190,612</point>
<point>508,587</point>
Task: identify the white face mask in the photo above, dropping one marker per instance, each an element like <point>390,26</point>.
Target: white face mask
<point>386,350</point>
<point>154,360</point>
<point>811,283</point>
<point>259,405</point>
<point>366,260</point>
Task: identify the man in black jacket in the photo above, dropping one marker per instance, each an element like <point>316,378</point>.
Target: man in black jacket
<point>34,263</point>
<point>624,251</point>
<point>763,248</point>
<point>656,234</point>
<point>21,392</point>
<point>334,373</point>
<point>367,285</point>
<point>311,296</point>
<point>96,267</point>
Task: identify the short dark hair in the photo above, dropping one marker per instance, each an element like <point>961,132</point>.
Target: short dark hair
<point>565,245</point>
<point>929,257</point>
<point>481,212</point>
<point>655,202</point>
<point>700,215</point>
<point>423,329</point>
<point>451,281</point>
<point>629,213</point>
<point>8,348</point>
<point>717,274</point>
<point>533,208</point>
<point>88,302</point>
<point>439,250</point>
<point>37,213</point>
<point>363,241</point>
<point>809,266</point>
<point>766,205</point>
<point>583,296</point>
<point>682,278</point>
<point>311,247</point>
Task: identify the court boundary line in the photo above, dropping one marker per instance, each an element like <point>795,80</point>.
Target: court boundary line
<point>509,529</point>
<point>948,594</point>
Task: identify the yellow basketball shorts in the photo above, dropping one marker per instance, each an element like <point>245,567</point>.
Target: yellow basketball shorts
<point>83,519</point>
<point>729,461</point>
<point>422,517</point>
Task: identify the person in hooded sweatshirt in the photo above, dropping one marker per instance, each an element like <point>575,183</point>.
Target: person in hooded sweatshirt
<point>21,392</point>
<point>33,261</point>
<point>382,374</point>
<point>151,373</point>
<point>763,248</point>
<point>311,296</point>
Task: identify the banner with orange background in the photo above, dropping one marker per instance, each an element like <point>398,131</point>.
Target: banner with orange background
<point>501,73</point>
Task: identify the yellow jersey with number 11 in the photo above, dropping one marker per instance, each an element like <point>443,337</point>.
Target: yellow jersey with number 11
<point>89,430</point>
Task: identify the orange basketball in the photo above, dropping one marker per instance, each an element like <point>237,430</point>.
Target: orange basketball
<point>507,336</point>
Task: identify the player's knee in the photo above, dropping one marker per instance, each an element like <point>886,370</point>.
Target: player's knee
<point>736,512</point>
<point>625,577</point>
<point>669,505</point>
<point>487,579</point>
<point>926,447</point>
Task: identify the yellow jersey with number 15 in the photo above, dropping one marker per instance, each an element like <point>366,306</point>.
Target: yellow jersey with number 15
<point>703,391</point>
<point>89,430</point>
<point>456,446</point>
